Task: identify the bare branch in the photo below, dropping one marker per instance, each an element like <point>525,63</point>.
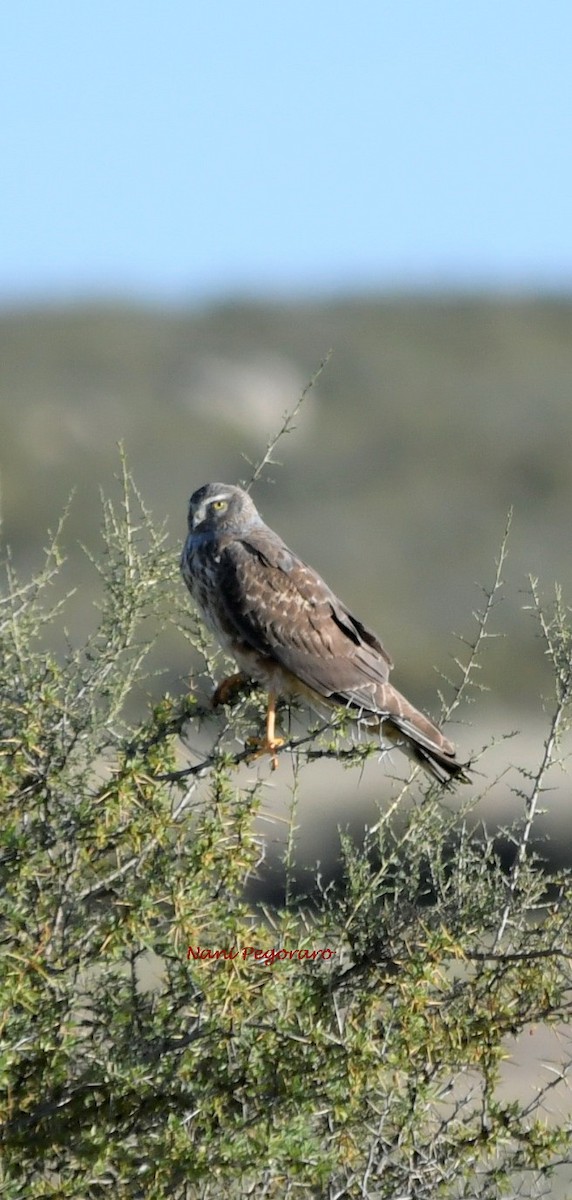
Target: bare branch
<point>288,426</point>
<point>491,597</point>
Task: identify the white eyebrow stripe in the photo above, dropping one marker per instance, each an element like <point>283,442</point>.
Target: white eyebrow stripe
<point>221,496</point>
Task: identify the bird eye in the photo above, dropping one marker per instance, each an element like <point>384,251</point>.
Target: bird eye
<point>220,505</point>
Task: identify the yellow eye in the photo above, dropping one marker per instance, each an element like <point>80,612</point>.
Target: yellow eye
<point>219,505</point>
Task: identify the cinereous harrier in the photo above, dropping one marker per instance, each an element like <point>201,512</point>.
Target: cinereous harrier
<point>287,631</point>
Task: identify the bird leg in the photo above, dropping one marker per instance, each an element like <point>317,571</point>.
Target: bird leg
<point>269,743</point>
<point>228,689</point>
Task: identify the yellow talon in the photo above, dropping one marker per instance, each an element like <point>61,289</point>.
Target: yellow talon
<point>265,745</point>
<point>269,743</point>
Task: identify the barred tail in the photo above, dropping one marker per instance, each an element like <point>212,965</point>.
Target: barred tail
<point>419,737</point>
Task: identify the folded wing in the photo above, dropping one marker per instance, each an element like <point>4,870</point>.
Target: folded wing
<point>284,610</point>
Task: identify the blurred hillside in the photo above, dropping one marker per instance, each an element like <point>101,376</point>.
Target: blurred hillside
<point>432,418</point>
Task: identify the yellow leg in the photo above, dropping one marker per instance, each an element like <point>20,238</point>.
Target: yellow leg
<point>269,743</point>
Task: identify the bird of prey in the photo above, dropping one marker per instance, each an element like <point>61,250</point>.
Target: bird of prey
<point>287,630</point>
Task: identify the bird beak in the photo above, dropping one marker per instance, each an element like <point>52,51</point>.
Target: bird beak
<point>196,517</point>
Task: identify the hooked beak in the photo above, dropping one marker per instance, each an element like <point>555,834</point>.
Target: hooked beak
<point>196,517</point>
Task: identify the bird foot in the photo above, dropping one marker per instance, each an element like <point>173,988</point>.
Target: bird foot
<point>228,689</point>
<point>265,745</point>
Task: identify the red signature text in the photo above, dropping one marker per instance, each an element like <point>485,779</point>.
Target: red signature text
<point>265,957</point>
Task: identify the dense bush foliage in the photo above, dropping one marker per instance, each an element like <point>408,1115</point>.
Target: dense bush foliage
<point>348,1045</point>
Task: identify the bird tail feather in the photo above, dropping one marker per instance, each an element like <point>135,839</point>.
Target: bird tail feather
<point>418,736</point>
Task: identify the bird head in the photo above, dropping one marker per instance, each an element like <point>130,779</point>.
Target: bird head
<point>221,508</point>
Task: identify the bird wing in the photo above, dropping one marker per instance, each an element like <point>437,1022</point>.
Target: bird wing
<point>283,609</point>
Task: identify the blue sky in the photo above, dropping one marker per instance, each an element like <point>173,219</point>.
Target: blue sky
<point>183,151</point>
